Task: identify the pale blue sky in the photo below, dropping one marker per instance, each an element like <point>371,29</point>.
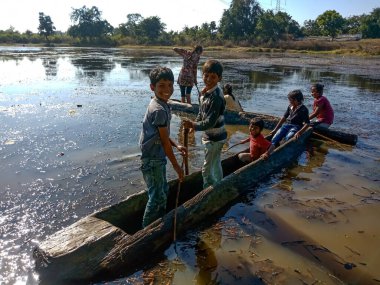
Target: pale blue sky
<point>176,14</point>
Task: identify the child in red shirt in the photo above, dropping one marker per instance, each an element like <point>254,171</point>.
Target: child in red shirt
<point>258,145</point>
<point>322,109</point>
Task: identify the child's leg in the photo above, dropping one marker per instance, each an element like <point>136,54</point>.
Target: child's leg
<point>217,169</point>
<point>188,94</point>
<point>154,173</point>
<point>183,93</point>
<point>293,130</point>
<point>212,169</point>
<point>280,134</point>
<point>245,157</point>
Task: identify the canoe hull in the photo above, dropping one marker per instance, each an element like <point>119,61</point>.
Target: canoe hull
<point>124,251</point>
<point>270,122</point>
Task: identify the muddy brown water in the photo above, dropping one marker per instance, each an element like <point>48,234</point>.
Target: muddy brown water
<point>70,121</point>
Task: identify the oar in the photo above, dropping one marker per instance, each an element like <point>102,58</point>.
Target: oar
<point>186,144</point>
<point>185,161</point>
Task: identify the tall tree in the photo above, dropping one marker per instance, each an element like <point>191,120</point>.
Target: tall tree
<point>89,24</point>
<point>277,26</point>
<point>130,28</point>
<point>311,28</point>
<point>370,27</point>
<point>330,23</point>
<point>240,20</point>
<point>46,27</point>
<point>152,28</point>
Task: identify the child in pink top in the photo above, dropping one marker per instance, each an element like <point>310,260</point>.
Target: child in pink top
<point>257,143</point>
<point>322,109</point>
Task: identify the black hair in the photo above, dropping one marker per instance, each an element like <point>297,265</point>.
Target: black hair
<point>296,95</point>
<point>318,87</point>
<point>159,73</point>
<point>198,49</point>
<point>213,66</point>
<point>257,122</point>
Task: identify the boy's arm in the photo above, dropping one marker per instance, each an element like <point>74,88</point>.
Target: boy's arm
<point>167,145</point>
<point>211,116</point>
<point>279,124</point>
<point>244,141</point>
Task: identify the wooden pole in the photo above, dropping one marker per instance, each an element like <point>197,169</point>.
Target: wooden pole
<point>186,144</point>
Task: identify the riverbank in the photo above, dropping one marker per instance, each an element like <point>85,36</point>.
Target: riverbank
<point>71,120</point>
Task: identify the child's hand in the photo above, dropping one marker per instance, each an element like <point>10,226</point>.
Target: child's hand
<point>182,149</point>
<point>297,135</point>
<point>265,155</point>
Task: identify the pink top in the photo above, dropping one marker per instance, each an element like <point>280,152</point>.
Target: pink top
<point>326,112</point>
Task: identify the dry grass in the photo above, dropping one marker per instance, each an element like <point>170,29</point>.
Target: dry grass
<point>366,47</point>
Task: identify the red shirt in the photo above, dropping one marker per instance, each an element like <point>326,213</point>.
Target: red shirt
<point>326,112</point>
<point>257,146</point>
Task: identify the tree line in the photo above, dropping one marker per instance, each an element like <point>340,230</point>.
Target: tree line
<point>244,23</point>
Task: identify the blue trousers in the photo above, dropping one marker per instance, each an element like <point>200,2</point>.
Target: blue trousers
<point>154,173</point>
<point>286,131</point>
<point>212,171</point>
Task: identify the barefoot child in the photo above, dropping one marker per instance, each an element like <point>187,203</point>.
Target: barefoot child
<point>294,122</point>
<point>210,119</point>
<point>156,144</point>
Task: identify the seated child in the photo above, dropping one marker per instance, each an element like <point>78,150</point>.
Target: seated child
<point>294,122</point>
<point>258,145</point>
<point>232,103</point>
<point>322,109</point>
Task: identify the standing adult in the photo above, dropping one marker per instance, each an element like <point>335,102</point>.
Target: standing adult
<point>188,75</point>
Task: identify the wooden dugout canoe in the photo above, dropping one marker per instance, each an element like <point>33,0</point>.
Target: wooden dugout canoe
<point>110,243</point>
<point>270,122</point>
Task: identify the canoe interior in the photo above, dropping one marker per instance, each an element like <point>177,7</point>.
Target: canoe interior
<point>127,215</point>
<point>270,122</point>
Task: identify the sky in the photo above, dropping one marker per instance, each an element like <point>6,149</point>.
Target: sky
<point>176,14</point>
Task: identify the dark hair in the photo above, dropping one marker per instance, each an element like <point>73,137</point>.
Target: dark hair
<point>296,95</point>
<point>227,89</point>
<point>213,66</point>
<point>198,49</point>
<point>319,87</point>
<point>257,122</point>
<point>159,73</point>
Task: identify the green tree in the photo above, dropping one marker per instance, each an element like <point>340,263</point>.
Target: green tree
<point>370,27</point>
<point>330,23</point>
<point>130,28</point>
<point>311,28</point>
<point>151,29</point>
<point>352,24</point>
<point>46,27</point>
<point>89,24</point>
<point>273,27</point>
<point>240,20</point>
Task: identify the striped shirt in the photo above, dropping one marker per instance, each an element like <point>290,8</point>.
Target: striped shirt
<point>210,118</point>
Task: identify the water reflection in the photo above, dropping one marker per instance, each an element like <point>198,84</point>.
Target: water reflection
<point>42,191</point>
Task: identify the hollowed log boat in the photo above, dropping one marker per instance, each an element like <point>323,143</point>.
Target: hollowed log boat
<point>111,243</point>
<point>270,122</point>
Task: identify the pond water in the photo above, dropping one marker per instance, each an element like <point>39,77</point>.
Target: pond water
<point>70,122</point>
